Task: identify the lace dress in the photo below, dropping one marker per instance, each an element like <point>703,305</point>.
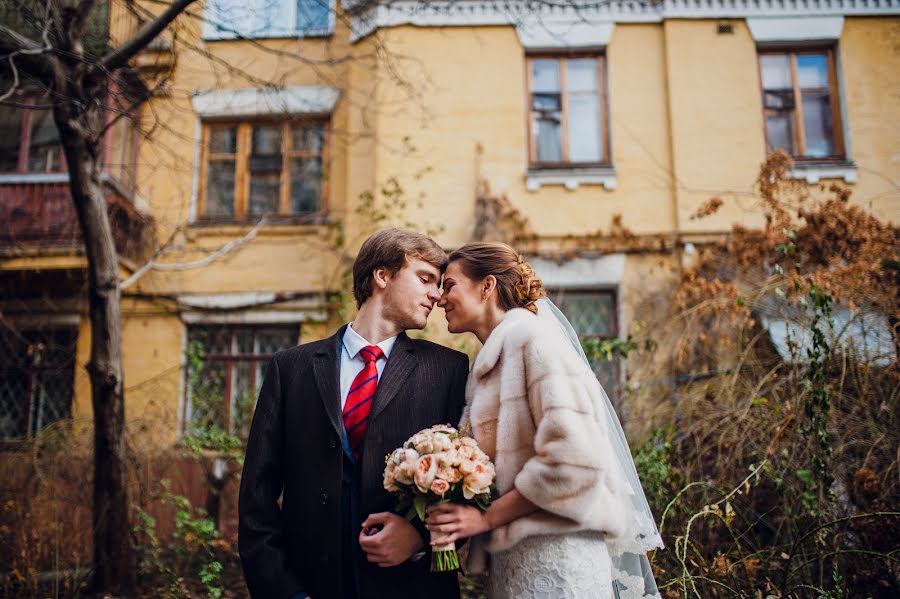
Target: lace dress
<point>567,566</point>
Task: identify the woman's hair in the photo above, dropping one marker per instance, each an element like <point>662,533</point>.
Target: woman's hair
<point>517,285</point>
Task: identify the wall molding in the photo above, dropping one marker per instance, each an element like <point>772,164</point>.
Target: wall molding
<point>795,29</point>
<point>516,12</point>
<point>257,101</point>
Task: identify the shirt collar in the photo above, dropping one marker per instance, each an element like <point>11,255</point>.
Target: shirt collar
<point>353,342</point>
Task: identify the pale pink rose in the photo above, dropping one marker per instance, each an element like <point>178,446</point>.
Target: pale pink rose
<point>443,428</point>
<point>439,487</point>
<point>450,474</point>
<point>467,452</point>
<point>467,466</point>
<point>478,482</point>
<point>406,470</point>
<point>390,484</point>
<point>426,471</point>
<point>441,442</point>
<point>423,442</point>
<point>468,442</point>
<point>452,458</point>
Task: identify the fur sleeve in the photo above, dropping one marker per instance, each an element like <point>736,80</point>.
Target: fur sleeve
<point>572,473</point>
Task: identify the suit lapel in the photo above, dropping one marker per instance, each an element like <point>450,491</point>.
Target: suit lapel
<point>399,366</point>
<point>326,367</point>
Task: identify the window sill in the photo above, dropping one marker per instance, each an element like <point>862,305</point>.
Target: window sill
<point>571,178</point>
<point>813,172</point>
<point>228,37</point>
<point>274,227</point>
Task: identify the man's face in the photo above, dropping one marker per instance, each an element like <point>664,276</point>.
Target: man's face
<point>411,293</point>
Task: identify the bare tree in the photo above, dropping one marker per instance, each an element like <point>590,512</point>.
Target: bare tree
<point>78,83</point>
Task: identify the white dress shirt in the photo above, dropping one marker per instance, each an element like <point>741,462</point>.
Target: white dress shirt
<point>352,362</point>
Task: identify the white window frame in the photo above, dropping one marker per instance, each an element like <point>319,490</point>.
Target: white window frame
<point>212,33</point>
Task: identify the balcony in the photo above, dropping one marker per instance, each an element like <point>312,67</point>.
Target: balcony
<point>37,214</point>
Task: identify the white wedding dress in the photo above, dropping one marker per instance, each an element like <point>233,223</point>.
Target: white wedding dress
<point>567,566</point>
<point>587,564</point>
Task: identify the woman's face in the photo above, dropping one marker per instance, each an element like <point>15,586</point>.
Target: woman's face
<point>461,300</point>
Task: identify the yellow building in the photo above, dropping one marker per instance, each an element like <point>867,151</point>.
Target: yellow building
<point>286,131</point>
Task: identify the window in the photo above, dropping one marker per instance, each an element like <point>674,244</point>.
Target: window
<point>593,315</point>
<point>567,107</point>
<point>29,141</point>
<point>36,378</point>
<point>255,169</point>
<point>231,19</point>
<point>800,103</point>
<point>225,370</point>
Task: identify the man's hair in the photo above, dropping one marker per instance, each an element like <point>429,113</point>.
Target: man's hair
<point>391,249</point>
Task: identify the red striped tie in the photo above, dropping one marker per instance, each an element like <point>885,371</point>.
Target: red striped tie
<point>359,399</point>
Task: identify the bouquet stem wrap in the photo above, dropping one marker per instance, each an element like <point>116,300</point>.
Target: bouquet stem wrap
<point>444,557</point>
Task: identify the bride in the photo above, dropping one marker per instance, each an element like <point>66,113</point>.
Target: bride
<point>571,519</point>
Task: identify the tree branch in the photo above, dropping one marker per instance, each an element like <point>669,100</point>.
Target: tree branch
<point>121,55</point>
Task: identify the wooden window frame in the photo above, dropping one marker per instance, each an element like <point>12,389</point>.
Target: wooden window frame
<point>241,157</point>
<point>602,97</point>
<point>798,130</point>
<point>230,360</point>
<point>26,102</point>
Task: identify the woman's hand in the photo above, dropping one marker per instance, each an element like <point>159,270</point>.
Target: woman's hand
<point>449,522</point>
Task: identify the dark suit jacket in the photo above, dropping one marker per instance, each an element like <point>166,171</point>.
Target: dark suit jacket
<point>295,451</point>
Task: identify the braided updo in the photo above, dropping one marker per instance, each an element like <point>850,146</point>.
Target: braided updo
<point>517,285</point>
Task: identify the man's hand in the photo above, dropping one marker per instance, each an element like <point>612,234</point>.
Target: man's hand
<point>395,543</point>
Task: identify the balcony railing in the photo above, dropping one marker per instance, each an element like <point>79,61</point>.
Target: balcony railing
<point>40,214</point>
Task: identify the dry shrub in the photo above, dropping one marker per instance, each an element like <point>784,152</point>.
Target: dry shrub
<point>777,471</point>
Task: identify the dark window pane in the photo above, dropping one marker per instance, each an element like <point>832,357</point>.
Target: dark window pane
<point>267,140</point>
<point>54,398</point>
<point>307,139</point>
<point>590,312</point>
<point>43,153</point>
<point>265,170</point>
<point>223,140</point>
<point>818,124</point>
<point>10,138</point>
<point>36,378</point>
<point>220,188</point>
<point>206,389</point>
<point>306,185</point>
<point>14,405</point>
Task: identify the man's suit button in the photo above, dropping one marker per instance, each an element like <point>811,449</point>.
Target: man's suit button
<point>323,498</point>
<point>333,443</point>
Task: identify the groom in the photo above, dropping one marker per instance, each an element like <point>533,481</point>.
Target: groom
<point>315,520</point>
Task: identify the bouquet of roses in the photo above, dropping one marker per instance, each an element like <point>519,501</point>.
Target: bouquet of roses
<point>439,465</point>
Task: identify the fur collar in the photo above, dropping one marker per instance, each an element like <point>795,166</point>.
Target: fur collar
<point>493,347</point>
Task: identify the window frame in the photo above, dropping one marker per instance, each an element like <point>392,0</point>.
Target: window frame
<point>562,57</point>
<point>230,361</point>
<point>241,157</point>
<point>554,292</point>
<point>798,127</point>
<point>211,33</point>
<point>27,102</point>
<point>32,372</point>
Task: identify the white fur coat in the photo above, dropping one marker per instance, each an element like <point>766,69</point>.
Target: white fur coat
<point>534,407</point>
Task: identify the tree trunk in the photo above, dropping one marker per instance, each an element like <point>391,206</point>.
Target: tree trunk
<point>114,565</point>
